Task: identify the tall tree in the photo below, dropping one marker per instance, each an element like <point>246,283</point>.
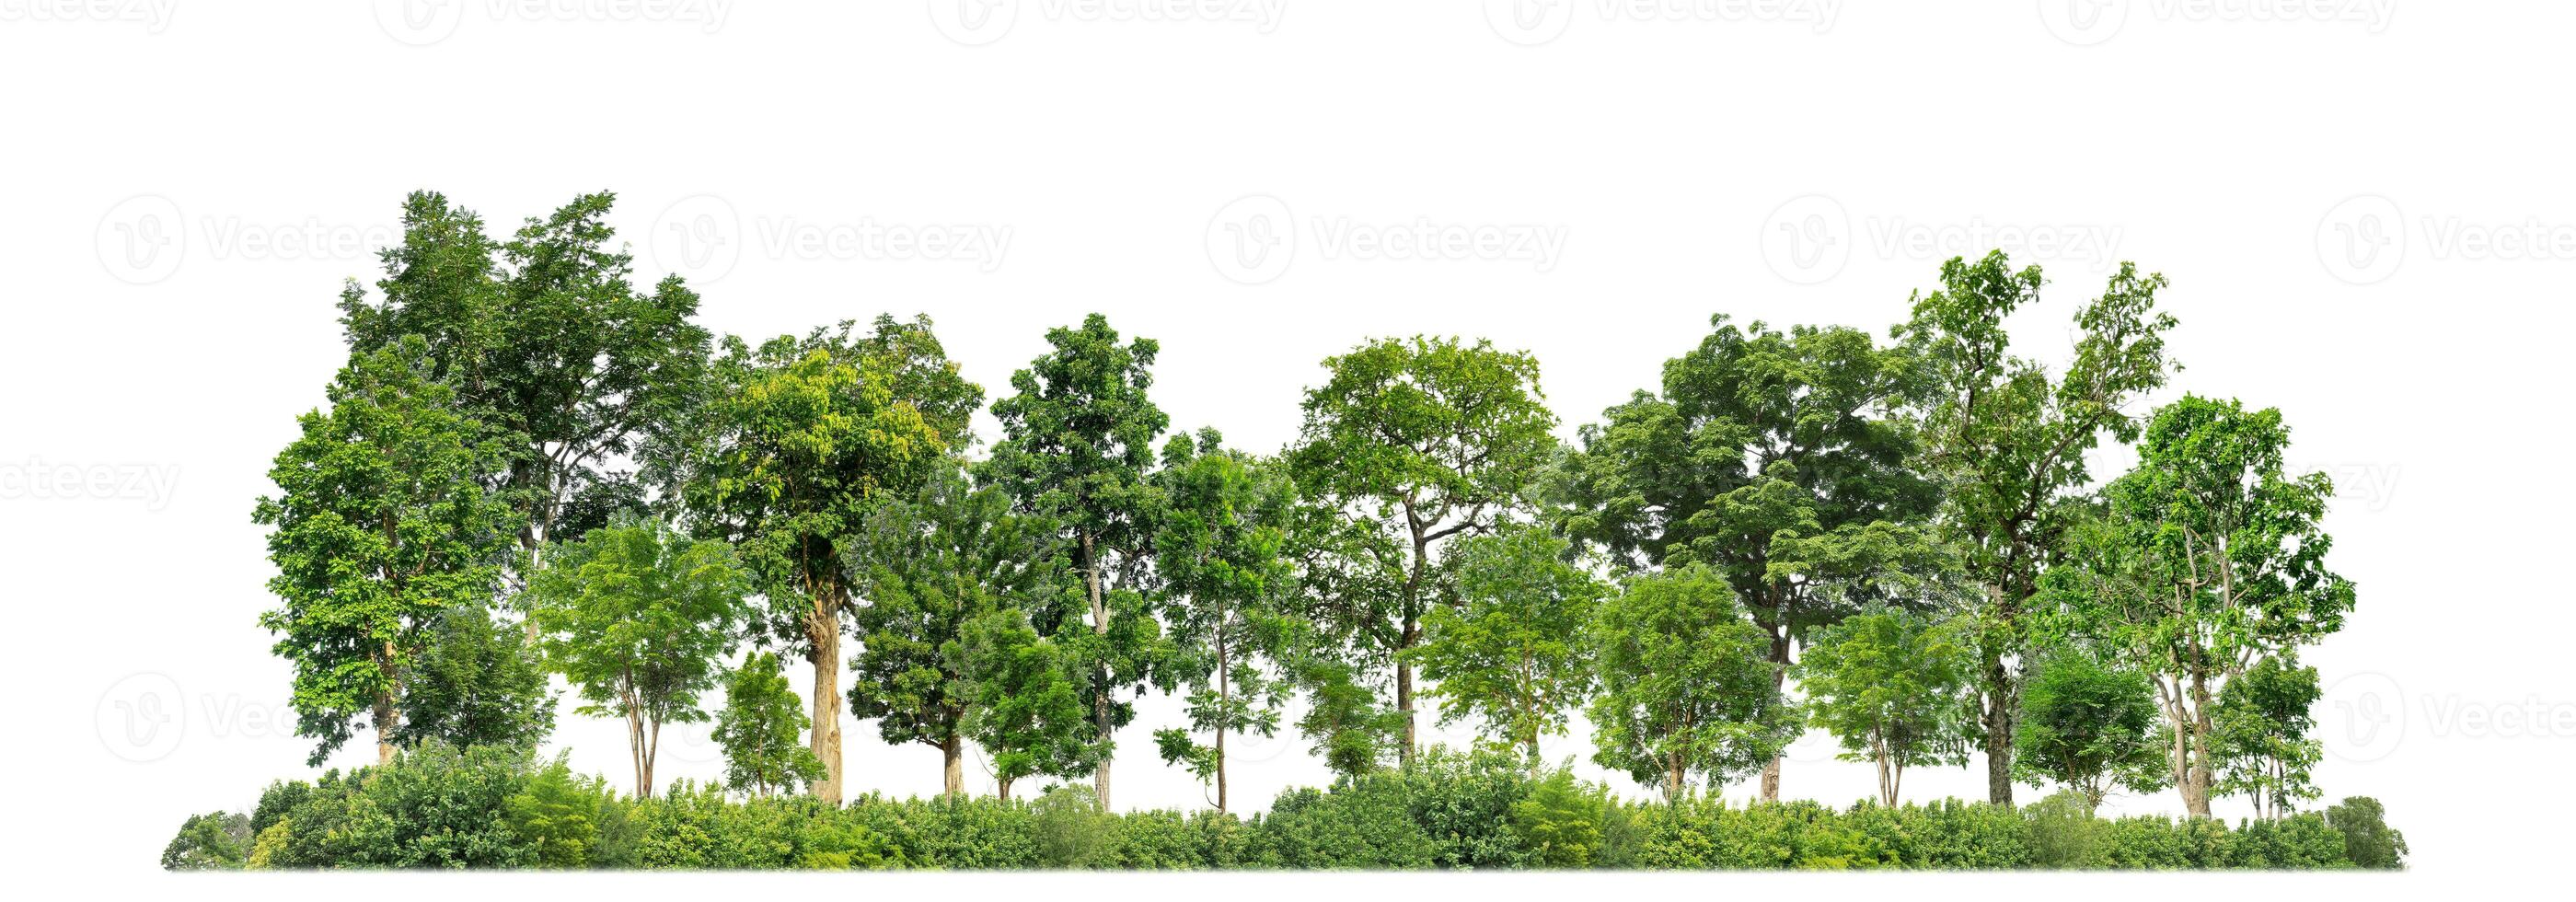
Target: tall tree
<point>791,453</point>
<point>1891,685</point>
<point>2260,742</point>
<point>1428,440</point>
<point>930,564</point>
<point>757,730</point>
<point>1512,657</point>
<point>1779,459</point>
<point>2007,442</point>
<point>380,526</point>
<point>2087,725</point>
<point>1028,709</point>
<point>1687,684</point>
<point>546,340</point>
<point>1077,442</point>
<point>639,618</point>
<point>1219,553</point>
<point>2206,557</point>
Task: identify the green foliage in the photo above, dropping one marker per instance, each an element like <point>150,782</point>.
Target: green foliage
<point>1560,821</point>
<point>1690,690</point>
<point>1363,824</point>
<point>1219,553</point>
<point>476,682</point>
<point>380,526</point>
<point>1071,829</point>
<point>1027,710</point>
<point>1351,731</point>
<point>2063,833</point>
<point>557,815</point>
<point>209,842</point>
<point>2087,726</point>
<point>1512,658</point>
<point>1891,685</point>
<point>758,728</point>
<point>2260,742</point>
<point>2367,841</point>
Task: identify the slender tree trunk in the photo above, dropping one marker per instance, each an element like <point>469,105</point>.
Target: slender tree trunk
<point>2196,780</point>
<point>1779,683</point>
<point>1224,696</point>
<point>1886,776</point>
<point>952,768</point>
<point>823,632</point>
<point>536,562</point>
<point>652,753</point>
<point>385,724</point>
<point>1673,775</point>
<point>1999,716</point>
<point>1100,712</point>
<point>1404,698</point>
<point>1002,788</point>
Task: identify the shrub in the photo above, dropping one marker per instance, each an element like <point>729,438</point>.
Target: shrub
<point>2367,841</point>
<point>1071,830</point>
<point>1559,822</point>
<point>1362,824</point>
<point>2063,832</point>
<point>209,842</point>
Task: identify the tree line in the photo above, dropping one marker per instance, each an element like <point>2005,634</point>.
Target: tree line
<point>532,466</point>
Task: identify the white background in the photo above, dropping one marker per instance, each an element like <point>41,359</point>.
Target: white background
<point>2365,211</point>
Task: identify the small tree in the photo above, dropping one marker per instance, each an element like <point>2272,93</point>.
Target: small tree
<point>637,617</point>
<point>2260,740</point>
<point>1219,549</point>
<point>1028,709</point>
<point>1687,687</point>
<point>476,682</point>
<point>1351,731</point>
<point>758,729</point>
<point>1892,686</point>
<point>2087,726</point>
<point>1512,657</point>
<point>2366,837</point>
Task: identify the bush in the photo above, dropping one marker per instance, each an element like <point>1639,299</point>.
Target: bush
<point>209,842</point>
<point>1362,824</point>
<point>2367,841</point>
<point>1559,822</point>
<point>1072,831</point>
<point>2063,833</point>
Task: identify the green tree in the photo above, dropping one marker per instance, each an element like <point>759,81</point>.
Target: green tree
<point>1426,440</point>
<point>1780,460</point>
<point>1028,709</point>
<point>2366,837</point>
<point>209,842</point>
<point>2260,738</point>
<point>757,730</point>
<point>2007,442</point>
<point>474,683</point>
<point>2086,726</point>
<point>930,564</point>
<point>800,441</point>
<point>1512,657</point>
<point>639,618</point>
<point>557,815</point>
<point>2205,558</point>
<point>546,340</point>
<point>1077,441</point>
<point>379,526</point>
<point>1891,685</point>
<point>1687,687</point>
<point>1219,551</point>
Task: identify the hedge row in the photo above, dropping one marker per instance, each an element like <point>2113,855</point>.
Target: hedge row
<point>496,808</point>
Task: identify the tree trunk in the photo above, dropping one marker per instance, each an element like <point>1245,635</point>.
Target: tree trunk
<point>536,562</point>
<point>1673,779</point>
<point>1002,788</point>
<point>1404,701</point>
<point>1100,695</point>
<point>2195,796</point>
<point>1224,696</point>
<point>1779,683</point>
<point>652,751</point>
<point>385,724</point>
<point>1999,715</point>
<point>952,770</point>
<point>824,633</point>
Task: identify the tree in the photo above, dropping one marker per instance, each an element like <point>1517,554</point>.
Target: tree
<point>757,730</point>
<point>1077,441</point>
<point>2086,726</point>
<point>1513,657</point>
<point>2202,560</point>
<point>1425,439</point>
<point>1219,554</point>
<point>1891,685</point>
<point>1778,459</point>
<point>2366,837</point>
<point>2260,742</point>
<point>475,683</point>
<point>549,346</point>
<point>1350,730</point>
<point>793,451</point>
<point>638,618</point>
<point>380,525</point>
<point>930,564</point>
<point>1687,688</point>
<point>2007,443</point>
<point>1028,710</point>
<point>209,842</point>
